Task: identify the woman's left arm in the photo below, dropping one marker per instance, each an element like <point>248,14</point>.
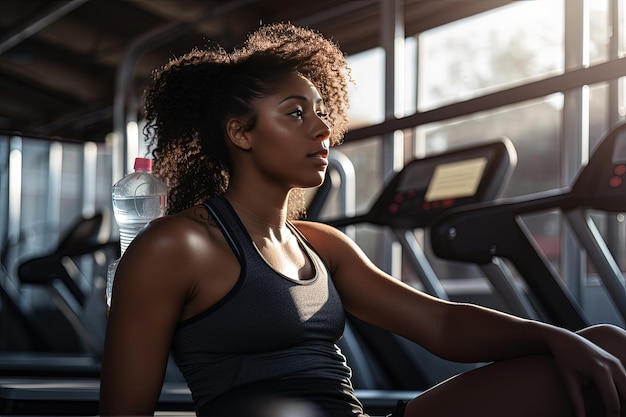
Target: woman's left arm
<point>457,331</point>
<point>454,331</point>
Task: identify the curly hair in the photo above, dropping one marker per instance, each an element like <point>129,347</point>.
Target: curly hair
<point>188,101</point>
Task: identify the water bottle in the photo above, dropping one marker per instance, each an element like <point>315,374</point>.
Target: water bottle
<point>138,198</point>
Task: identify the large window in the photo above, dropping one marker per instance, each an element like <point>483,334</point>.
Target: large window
<point>495,50</point>
<point>506,61</point>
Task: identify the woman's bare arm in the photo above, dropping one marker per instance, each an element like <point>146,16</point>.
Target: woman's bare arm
<point>149,293</point>
<point>456,331</point>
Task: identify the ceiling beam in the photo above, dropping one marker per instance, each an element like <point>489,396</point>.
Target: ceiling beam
<point>41,21</point>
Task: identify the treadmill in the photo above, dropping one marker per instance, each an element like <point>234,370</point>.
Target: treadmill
<point>417,195</point>
<point>75,348</point>
<point>484,231</point>
<point>428,187</point>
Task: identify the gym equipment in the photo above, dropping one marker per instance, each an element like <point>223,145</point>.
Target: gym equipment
<point>481,232</point>
<point>86,237</point>
<point>422,191</point>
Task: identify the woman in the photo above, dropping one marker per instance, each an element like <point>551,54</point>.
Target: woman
<point>251,302</point>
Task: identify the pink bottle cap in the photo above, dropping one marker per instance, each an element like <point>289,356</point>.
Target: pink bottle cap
<point>144,164</point>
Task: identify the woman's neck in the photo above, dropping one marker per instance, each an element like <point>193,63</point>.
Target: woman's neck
<point>262,214</point>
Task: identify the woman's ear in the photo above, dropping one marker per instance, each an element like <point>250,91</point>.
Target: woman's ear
<point>237,134</point>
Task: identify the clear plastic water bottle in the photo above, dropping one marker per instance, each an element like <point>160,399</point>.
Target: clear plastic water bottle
<point>138,198</point>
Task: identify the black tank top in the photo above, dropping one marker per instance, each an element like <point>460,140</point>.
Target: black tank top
<point>269,334</point>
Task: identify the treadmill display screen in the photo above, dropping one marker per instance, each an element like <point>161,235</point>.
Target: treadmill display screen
<point>456,179</point>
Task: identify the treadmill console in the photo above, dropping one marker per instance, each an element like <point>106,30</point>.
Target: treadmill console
<point>601,184</point>
<point>427,187</point>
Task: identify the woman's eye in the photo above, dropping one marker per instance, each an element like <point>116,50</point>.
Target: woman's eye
<point>322,115</point>
<point>297,113</point>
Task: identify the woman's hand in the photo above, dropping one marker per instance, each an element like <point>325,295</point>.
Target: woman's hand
<point>581,362</point>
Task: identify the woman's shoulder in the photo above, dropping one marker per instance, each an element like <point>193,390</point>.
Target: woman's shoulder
<point>180,225</point>
<point>193,219</point>
<point>312,229</point>
<point>183,233</point>
<point>327,240</point>
<point>181,254</point>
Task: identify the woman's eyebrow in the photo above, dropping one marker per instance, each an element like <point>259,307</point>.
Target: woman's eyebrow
<point>301,98</point>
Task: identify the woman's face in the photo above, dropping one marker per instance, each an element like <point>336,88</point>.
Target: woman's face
<point>290,140</point>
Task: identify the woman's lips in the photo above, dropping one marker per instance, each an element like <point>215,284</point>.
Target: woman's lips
<point>319,156</point>
<point>323,153</point>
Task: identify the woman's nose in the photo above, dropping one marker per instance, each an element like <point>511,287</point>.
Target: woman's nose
<point>323,129</point>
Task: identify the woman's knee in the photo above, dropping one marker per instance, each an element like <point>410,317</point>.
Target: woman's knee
<point>608,336</point>
<point>602,331</point>
<point>492,389</point>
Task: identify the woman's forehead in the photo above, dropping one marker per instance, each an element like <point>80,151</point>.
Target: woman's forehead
<point>298,85</point>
